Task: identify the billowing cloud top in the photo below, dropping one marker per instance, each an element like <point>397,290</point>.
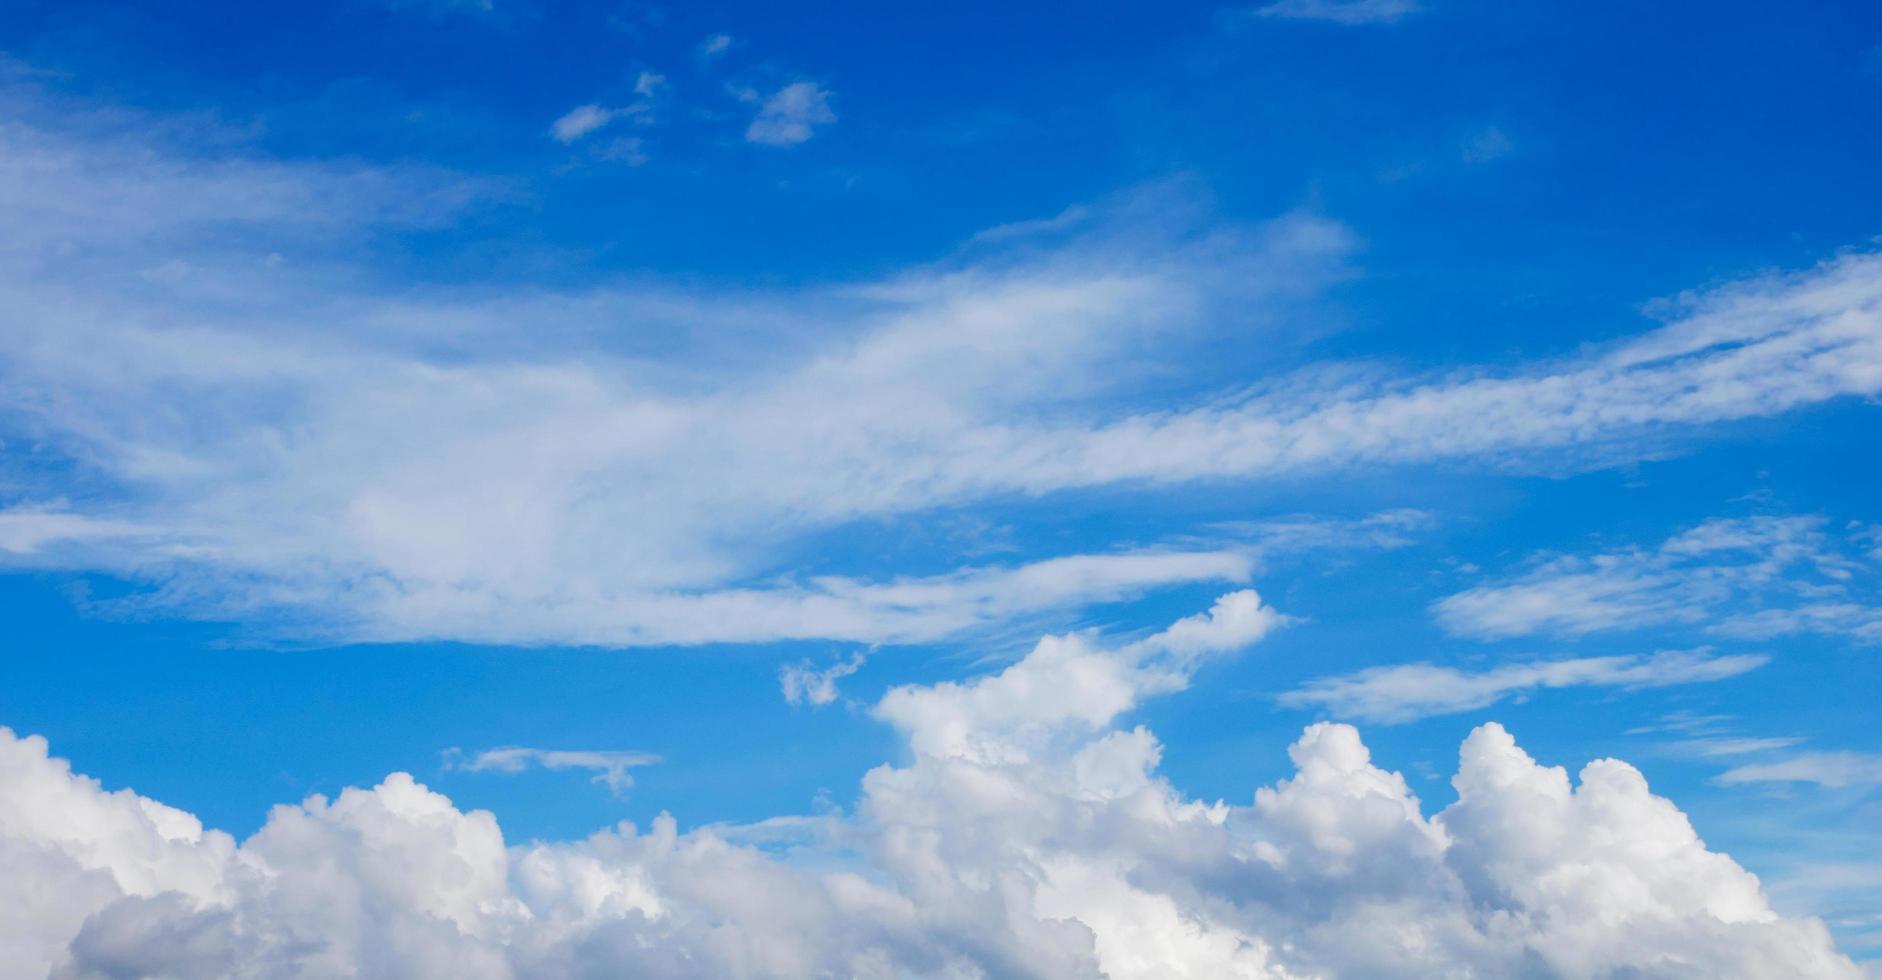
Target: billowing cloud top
<point>1027,834</point>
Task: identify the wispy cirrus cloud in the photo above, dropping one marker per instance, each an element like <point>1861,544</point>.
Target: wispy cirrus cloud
<point>610,768</point>
<point>1716,746</point>
<point>1830,769</point>
<point>1408,692</point>
<point>1753,578</point>
<point>1342,11</point>
<point>585,120</point>
<point>29,529</point>
<point>397,464</point>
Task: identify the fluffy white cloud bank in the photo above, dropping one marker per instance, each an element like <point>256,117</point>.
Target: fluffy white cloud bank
<point>1027,834</point>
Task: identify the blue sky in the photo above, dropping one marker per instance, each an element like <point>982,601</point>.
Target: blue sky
<point>601,411</point>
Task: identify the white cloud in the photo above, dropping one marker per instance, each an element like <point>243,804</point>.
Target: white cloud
<point>715,45</point>
<point>1718,573</point>
<point>1831,769</point>
<point>1026,834</point>
<point>1406,692</point>
<point>631,150</point>
<point>1711,737</point>
<point>1235,621</point>
<point>32,528</point>
<point>791,115</point>
<point>580,121</point>
<point>1715,746</point>
<point>393,463</point>
<point>584,120</point>
<point>120,190</point>
<point>1278,535</point>
<point>904,610</point>
<point>804,684</point>
<point>1686,723</point>
<point>1860,622</point>
<point>1342,11</point>
<point>610,767</point>
<point>1066,685</point>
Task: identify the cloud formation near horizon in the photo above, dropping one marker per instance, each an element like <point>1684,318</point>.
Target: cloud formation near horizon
<point>1028,834</point>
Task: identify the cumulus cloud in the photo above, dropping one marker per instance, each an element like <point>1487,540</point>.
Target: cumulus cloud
<point>1342,11</point>
<point>389,464</point>
<point>1406,692</point>
<point>1807,576</point>
<point>1027,833</point>
<point>1064,685</point>
<point>791,115</point>
<point>610,767</point>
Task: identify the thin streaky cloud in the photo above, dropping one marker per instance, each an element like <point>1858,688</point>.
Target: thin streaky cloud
<point>1746,578</point>
<point>610,768</point>
<point>1342,11</point>
<point>1725,745</point>
<point>1408,692</point>
<point>580,121</point>
<point>29,529</point>
<point>1685,722</point>
<point>1831,770</point>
